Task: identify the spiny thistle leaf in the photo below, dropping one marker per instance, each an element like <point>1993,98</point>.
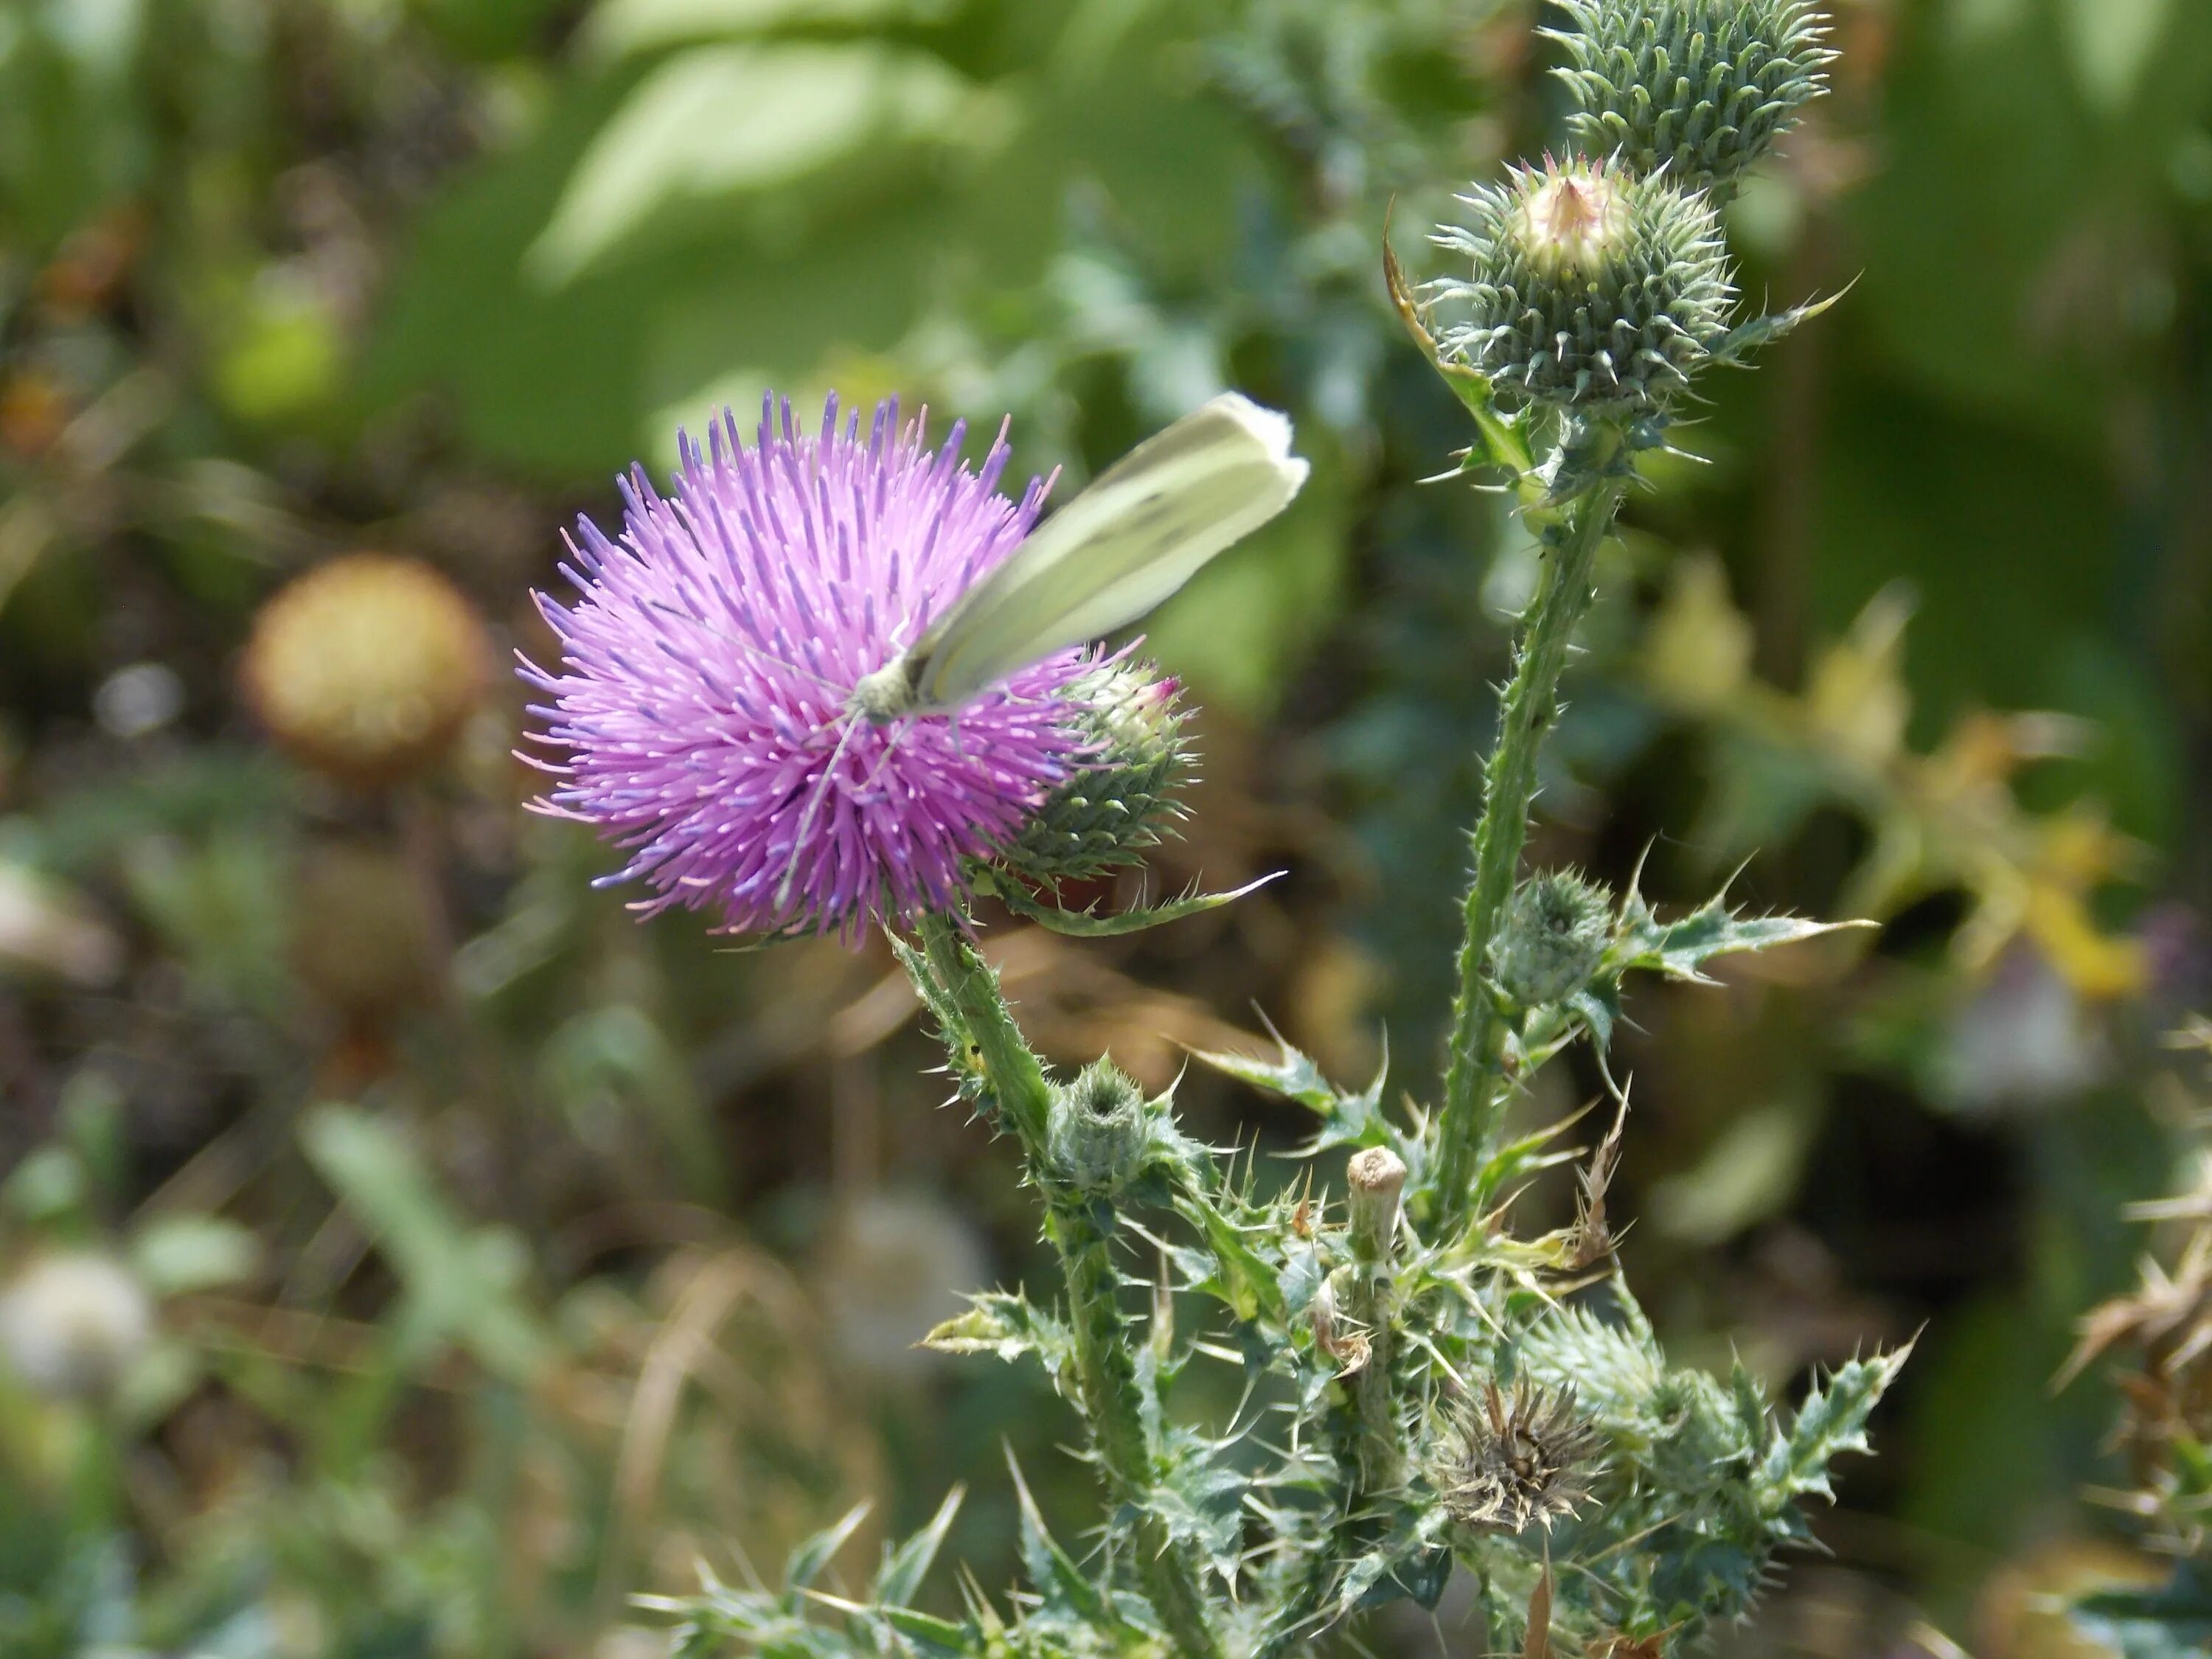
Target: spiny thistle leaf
<point>1832,1421</point>
<point>899,1580</point>
<point>1347,1119</point>
<point>1004,1323</point>
<point>1088,923</point>
<point>1680,949</point>
<point>2173,1621</point>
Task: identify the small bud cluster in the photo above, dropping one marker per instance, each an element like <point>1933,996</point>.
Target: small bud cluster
<point>1555,933</point>
<point>1124,801</point>
<point>1588,286</point>
<point>1700,88</point>
<point>1599,281</point>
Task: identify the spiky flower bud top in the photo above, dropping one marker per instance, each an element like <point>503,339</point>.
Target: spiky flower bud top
<point>702,715</point>
<point>1701,87</point>
<point>1587,286</point>
<point>1123,799</point>
<point>1551,938</point>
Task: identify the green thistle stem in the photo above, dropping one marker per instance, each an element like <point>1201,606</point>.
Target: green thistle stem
<point>1082,1231</point>
<point>1475,1080</point>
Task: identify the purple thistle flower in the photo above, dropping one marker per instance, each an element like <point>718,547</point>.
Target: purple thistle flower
<point>699,714</point>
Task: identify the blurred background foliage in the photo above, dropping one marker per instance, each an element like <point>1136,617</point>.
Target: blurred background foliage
<point>407,1254</point>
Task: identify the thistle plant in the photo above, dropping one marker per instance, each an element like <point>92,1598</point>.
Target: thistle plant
<point>1427,1390</point>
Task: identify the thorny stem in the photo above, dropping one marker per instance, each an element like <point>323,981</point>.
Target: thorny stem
<point>1375,1175</point>
<point>1081,1230</point>
<point>1475,1080</point>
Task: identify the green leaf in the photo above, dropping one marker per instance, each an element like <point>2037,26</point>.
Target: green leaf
<point>1086,924</point>
<point>176,1255</point>
<point>720,121</point>
<point>1004,1323</point>
<point>620,27</point>
<point>905,1567</point>
<point>806,1562</point>
<point>1746,338</point>
<point>1504,442</point>
<point>1241,1276</point>
<point>2173,1621</point>
<point>461,1282</point>
<point>1347,1119</point>
<point>1832,1421</point>
<point>931,1636</point>
<point>1680,949</point>
<point>1053,1573</point>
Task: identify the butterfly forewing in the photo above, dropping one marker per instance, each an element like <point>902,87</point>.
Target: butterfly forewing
<point>1144,528</point>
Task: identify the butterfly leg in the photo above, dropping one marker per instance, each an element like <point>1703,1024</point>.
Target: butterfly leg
<point>813,807</point>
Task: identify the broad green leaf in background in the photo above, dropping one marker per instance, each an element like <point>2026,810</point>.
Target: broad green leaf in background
<point>620,27</point>
<point>722,120</point>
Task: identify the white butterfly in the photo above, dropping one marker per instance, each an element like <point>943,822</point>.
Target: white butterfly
<point>1146,526</point>
<point>1142,528</point>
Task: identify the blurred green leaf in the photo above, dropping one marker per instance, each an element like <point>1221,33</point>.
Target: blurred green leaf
<point>719,121</point>
<point>462,1283</point>
<point>177,1254</point>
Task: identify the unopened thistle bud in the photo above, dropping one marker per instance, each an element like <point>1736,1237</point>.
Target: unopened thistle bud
<point>1588,287</point>
<point>1700,87</point>
<point>1097,1129</point>
<point>366,667</point>
<point>1551,938</point>
<point>1122,802</point>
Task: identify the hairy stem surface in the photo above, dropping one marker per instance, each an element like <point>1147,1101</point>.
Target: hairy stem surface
<point>1475,1079</point>
<point>1081,1230</point>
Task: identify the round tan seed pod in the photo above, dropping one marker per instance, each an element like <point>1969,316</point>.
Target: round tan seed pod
<point>366,667</point>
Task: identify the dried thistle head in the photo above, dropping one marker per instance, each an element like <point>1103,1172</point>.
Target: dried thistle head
<point>1520,1459</point>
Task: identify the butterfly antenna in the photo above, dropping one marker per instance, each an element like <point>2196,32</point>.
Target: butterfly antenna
<point>813,806</point>
<point>748,647</point>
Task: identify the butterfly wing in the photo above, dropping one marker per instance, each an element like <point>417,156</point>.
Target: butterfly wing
<point>1144,527</point>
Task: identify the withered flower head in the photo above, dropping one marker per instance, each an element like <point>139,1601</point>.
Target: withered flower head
<point>1525,1457</point>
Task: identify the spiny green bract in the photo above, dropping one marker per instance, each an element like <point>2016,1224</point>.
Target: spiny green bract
<point>1587,287</point>
<point>1699,87</point>
<point>1122,802</point>
<point>1554,934</point>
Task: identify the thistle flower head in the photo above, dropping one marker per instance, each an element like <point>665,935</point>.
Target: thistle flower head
<point>1701,87</point>
<point>1551,938</point>
<point>366,667</point>
<point>1587,286</point>
<point>1520,1459</point>
<point>702,715</point>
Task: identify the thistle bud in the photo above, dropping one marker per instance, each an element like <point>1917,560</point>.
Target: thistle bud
<point>1701,87</point>
<point>1097,1130</point>
<point>366,667</point>
<point>1551,938</point>
<point>1121,802</point>
<point>1590,287</point>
